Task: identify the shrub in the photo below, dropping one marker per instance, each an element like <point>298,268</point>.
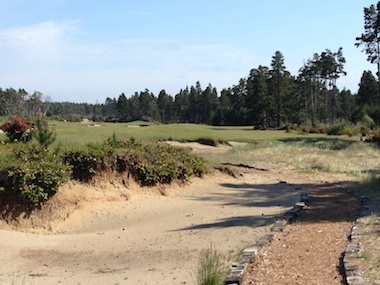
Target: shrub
<point>34,175</point>
<point>149,164</point>
<point>42,133</point>
<point>17,129</point>
<point>90,160</point>
<point>342,128</point>
<point>368,121</point>
<point>161,163</point>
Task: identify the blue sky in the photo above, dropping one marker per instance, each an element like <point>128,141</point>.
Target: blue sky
<point>88,50</point>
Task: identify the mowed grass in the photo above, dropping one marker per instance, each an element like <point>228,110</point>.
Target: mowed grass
<point>80,133</point>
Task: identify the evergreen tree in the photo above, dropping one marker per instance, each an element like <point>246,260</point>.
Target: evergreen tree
<point>370,39</point>
<point>368,90</point>
<point>367,98</point>
<point>165,105</point>
<point>182,106</point>
<point>278,85</point>
<point>259,100</point>
<point>122,107</point>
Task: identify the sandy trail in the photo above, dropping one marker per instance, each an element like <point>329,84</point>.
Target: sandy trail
<point>150,238</point>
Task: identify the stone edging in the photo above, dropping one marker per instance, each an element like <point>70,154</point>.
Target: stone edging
<point>351,271</point>
<point>352,274</point>
<point>239,268</point>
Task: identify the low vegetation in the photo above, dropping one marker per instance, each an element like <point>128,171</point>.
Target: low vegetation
<point>211,269</point>
<point>31,173</point>
<point>149,164</point>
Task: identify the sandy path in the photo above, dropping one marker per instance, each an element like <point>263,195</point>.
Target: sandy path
<point>149,239</point>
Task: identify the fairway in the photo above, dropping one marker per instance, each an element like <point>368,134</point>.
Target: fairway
<point>71,134</point>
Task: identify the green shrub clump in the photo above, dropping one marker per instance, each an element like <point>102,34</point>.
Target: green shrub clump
<point>162,163</point>
<point>90,160</point>
<point>31,175</point>
<point>149,164</point>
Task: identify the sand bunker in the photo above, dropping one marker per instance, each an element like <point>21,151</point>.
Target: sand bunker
<point>116,234</point>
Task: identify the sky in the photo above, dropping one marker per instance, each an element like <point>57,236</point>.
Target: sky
<point>88,50</point>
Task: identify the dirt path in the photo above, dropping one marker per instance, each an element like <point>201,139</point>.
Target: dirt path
<point>150,238</point>
<point>309,251</point>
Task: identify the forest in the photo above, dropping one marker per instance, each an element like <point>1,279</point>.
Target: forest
<point>269,97</point>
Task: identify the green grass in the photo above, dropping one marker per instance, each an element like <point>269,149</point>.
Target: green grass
<point>69,133</point>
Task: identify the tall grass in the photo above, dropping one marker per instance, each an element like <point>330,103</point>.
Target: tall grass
<point>211,270</point>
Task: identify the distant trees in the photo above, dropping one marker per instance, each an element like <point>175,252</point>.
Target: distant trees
<point>20,102</point>
<point>269,97</point>
<point>318,79</point>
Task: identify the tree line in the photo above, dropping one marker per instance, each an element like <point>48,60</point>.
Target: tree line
<point>269,97</point>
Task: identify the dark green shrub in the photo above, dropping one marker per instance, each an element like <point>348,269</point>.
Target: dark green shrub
<point>162,163</point>
<point>149,164</point>
<point>42,133</point>
<point>90,160</point>
<point>17,129</point>
<point>33,176</point>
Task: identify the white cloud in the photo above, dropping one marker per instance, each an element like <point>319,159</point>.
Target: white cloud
<point>57,59</point>
<point>39,44</point>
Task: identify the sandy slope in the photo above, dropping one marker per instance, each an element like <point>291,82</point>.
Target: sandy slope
<point>145,239</point>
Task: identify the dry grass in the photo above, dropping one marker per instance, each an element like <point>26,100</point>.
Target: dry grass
<point>324,160</point>
<point>370,254</point>
<point>211,269</point>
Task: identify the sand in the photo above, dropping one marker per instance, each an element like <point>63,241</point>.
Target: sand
<point>112,234</point>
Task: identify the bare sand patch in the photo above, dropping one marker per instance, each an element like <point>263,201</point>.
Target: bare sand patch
<point>205,149</point>
<point>112,234</point>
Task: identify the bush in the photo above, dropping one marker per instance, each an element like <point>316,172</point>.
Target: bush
<point>161,163</point>
<point>33,176</point>
<point>342,128</point>
<point>42,133</point>
<point>149,164</point>
<point>17,129</point>
<point>368,121</point>
<point>90,160</point>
